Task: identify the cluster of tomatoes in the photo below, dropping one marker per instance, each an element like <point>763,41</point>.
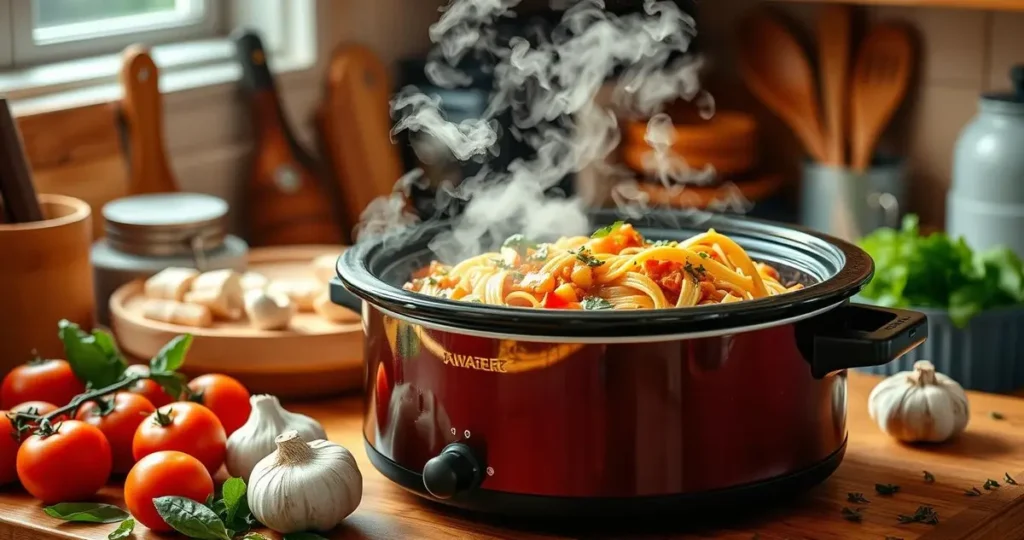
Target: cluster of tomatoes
<point>167,445</point>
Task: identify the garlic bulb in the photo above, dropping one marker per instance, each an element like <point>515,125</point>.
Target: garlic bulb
<point>170,283</point>
<point>267,310</point>
<point>219,290</point>
<point>920,405</point>
<point>304,486</point>
<point>255,439</point>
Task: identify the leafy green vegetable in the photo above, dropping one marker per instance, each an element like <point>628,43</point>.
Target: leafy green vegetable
<point>86,512</point>
<point>172,355</point>
<point>191,518</point>
<point>936,271</point>
<point>94,357</point>
<point>233,494</point>
<point>595,303</point>
<point>519,243</point>
<point>124,530</point>
<point>172,383</point>
<point>605,231</point>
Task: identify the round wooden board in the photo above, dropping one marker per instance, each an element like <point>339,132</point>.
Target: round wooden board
<point>310,347</point>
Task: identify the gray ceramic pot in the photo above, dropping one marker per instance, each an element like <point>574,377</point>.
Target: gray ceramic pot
<point>987,355</point>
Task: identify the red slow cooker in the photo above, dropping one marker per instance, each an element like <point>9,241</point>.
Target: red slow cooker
<point>534,412</point>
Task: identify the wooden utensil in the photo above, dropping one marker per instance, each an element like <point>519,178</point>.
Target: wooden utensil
<point>288,201</point>
<point>355,129</point>
<point>834,59</point>
<point>777,71</point>
<point>16,188</point>
<point>142,118</point>
<point>880,80</point>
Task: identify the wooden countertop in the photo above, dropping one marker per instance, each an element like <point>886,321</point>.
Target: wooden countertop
<point>988,449</point>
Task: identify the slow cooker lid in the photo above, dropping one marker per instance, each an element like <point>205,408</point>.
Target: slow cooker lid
<point>831,270</point>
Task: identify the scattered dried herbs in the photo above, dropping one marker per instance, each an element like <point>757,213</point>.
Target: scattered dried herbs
<point>595,303</point>
<point>929,478</point>
<point>990,484</point>
<point>856,498</point>
<point>886,489</point>
<point>586,257</point>
<point>996,415</point>
<point>695,273</point>
<point>852,515</point>
<point>1009,479</point>
<point>924,514</point>
<point>973,492</point>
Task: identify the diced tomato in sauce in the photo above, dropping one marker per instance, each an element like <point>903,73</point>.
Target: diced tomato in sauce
<point>668,275</point>
<point>553,301</point>
<point>619,239</point>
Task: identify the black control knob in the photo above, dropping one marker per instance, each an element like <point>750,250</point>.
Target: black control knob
<point>454,470</point>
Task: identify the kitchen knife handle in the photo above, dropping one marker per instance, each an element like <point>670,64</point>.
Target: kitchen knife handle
<point>142,121</point>
<point>859,335</point>
<point>252,56</point>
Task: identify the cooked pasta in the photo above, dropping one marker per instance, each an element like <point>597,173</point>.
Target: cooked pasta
<point>615,268</point>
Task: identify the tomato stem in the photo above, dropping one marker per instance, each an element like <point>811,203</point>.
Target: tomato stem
<point>163,419</point>
<point>71,408</point>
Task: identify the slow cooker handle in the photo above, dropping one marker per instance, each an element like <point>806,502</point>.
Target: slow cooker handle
<point>341,296</point>
<point>859,335</point>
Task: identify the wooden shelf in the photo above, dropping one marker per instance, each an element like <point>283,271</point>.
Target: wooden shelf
<point>996,5</point>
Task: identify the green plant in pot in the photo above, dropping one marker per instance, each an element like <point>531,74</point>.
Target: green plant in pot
<point>974,301</point>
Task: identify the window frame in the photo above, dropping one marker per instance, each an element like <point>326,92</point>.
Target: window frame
<point>26,52</point>
<point>6,45</point>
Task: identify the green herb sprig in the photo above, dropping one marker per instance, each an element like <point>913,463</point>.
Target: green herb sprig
<point>220,518</point>
<point>924,514</point>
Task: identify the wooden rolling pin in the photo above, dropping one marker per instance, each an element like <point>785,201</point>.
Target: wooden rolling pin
<point>287,199</point>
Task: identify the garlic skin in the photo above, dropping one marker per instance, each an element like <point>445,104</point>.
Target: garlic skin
<point>304,486</point>
<point>920,405</point>
<point>255,439</point>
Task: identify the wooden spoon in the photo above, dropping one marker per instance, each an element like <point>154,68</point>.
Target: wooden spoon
<point>142,117</point>
<point>834,60</point>
<point>777,71</point>
<point>880,80</point>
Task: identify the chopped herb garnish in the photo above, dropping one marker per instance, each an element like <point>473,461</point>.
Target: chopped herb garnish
<point>696,273</point>
<point>541,253</point>
<point>852,515</point>
<point>886,489</point>
<point>584,255</point>
<point>703,255</point>
<point>973,492</point>
<point>856,498</point>
<point>519,243</point>
<point>500,263</point>
<point>665,243</point>
<point>605,231</point>
<point>990,484</point>
<point>595,303</point>
<point>1009,479</point>
<point>995,415</point>
<point>924,514</point>
<point>929,478</point>
<point>431,281</point>
<point>517,275</point>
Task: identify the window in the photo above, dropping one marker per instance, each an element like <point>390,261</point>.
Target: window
<point>41,31</point>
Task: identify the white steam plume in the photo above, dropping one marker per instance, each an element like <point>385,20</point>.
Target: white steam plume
<point>547,87</point>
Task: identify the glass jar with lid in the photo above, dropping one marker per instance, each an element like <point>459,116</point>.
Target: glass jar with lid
<point>148,233</point>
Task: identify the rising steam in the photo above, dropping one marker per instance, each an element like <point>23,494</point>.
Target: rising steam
<point>549,89</point>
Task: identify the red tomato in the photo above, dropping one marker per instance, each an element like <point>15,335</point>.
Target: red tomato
<point>147,388</point>
<point>553,301</point>
<point>186,427</point>
<point>8,451</point>
<point>226,397</point>
<point>164,474</point>
<point>45,380</point>
<point>70,464</point>
<point>118,420</point>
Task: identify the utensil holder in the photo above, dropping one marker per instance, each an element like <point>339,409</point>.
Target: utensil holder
<point>45,276</point>
<point>848,204</point>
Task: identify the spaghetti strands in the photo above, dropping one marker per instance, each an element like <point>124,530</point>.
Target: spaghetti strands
<point>615,268</point>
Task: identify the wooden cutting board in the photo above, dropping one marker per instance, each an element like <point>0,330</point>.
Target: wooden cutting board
<point>988,449</point>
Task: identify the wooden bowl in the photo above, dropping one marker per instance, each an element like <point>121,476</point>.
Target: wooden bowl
<point>724,162</point>
<point>725,131</point>
<point>752,190</point>
<point>312,357</point>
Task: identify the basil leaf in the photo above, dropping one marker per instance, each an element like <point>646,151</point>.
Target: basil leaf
<point>124,530</point>
<point>86,512</point>
<point>191,518</point>
<point>303,536</point>
<point>172,355</point>
<point>94,357</point>
<point>605,231</point>
<point>173,383</point>
<point>595,303</point>
<point>233,493</point>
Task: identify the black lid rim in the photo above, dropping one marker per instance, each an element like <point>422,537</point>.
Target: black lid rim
<point>355,273</point>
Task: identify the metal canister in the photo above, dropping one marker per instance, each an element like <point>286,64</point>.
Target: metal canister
<point>145,234</point>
